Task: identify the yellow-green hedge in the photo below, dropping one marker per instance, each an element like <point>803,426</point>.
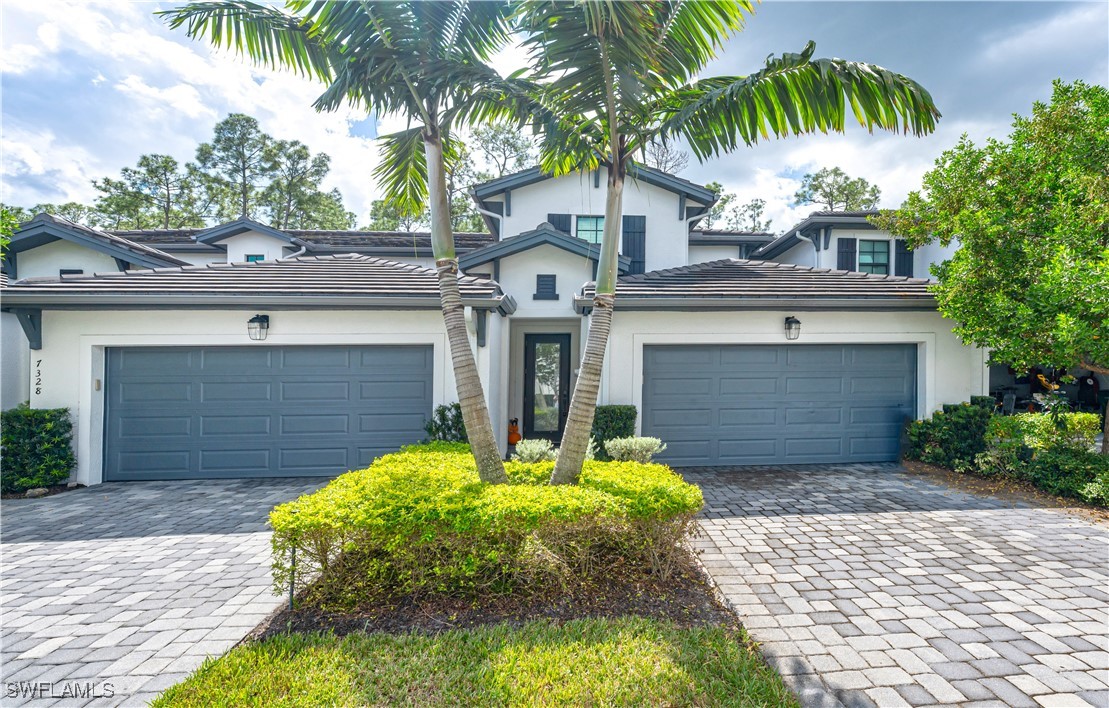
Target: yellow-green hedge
<point>419,521</point>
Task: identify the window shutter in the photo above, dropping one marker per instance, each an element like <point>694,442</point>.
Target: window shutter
<point>846,255</point>
<point>903,259</point>
<point>634,244</point>
<point>561,222</point>
<point>545,287</point>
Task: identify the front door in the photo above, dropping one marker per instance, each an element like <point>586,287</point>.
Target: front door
<point>546,385</point>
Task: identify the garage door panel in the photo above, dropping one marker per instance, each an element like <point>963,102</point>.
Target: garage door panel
<point>218,425</point>
<point>778,404</point>
<point>261,411</point>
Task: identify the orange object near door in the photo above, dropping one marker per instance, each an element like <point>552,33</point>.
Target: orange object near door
<point>514,431</point>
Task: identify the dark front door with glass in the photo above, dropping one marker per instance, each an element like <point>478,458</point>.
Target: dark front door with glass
<point>546,385</point>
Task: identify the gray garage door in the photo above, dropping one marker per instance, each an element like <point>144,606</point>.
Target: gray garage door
<point>227,412</point>
<point>793,404</point>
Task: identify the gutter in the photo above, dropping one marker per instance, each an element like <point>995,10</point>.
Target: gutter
<point>503,304</point>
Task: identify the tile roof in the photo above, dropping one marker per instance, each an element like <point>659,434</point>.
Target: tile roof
<point>733,281</point>
<point>351,277</point>
<point>48,226</point>
<point>326,239</point>
<point>816,219</point>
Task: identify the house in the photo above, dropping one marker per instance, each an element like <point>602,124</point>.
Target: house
<point>247,351</point>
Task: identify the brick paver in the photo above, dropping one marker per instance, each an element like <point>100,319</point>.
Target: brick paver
<point>125,588</point>
<point>866,585</point>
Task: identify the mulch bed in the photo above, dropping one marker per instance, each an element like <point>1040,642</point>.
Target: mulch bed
<point>1007,489</point>
<point>50,491</point>
<point>686,599</point>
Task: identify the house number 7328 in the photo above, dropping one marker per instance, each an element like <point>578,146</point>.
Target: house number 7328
<point>38,377</point>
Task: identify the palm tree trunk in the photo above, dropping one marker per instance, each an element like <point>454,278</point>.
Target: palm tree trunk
<point>583,406</point>
<point>471,397</point>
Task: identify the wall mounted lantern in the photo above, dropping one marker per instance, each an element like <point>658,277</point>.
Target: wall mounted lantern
<point>793,328</point>
<point>258,327</point>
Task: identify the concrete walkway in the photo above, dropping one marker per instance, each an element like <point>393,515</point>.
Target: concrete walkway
<point>867,585</point>
<point>119,591</point>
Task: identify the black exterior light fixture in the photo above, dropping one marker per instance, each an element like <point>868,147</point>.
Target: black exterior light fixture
<point>793,328</point>
<point>258,327</point>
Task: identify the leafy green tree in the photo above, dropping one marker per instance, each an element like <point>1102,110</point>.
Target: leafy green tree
<point>293,199</point>
<point>749,217</point>
<point>238,162</point>
<point>156,193</point>
<point>425,60</point>
<point>834,190</point>
<point>9,222</point>
<point>462,174</point>
<point>17,213</point>
<point>1030,277</point>
<point>617,76</point>
<point>717,214</point>
<point>73,211</point>
<point>506,149</point>
<point>385,216</point>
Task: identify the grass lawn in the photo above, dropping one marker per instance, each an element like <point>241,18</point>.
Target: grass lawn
<point>627,661</point>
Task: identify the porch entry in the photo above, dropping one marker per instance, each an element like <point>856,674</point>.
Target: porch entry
<point>546,385</point>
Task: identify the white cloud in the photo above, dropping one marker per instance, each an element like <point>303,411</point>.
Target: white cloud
<point>182,98</point>
<point>37,167</point>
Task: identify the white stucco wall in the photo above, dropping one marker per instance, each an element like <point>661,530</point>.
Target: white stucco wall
<point>72,355</point>
<point>49,258</point>
<point>14,361</point>
<point>254,243</point>
<point>517,278</point>
<point>947,371</point>
<point>667,235</point>
<point>801,253</point>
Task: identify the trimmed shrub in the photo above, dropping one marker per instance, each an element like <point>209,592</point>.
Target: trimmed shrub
<point>37,448</point>
<point>1097,491</point>
<point>952,437</point>
<point>537,450</point>
<point>446,424</point>
<point>613,421</point>
<point>1071,431</point>
<point>634,449</point>
<point>419,521</point>
<point>1066,472</point>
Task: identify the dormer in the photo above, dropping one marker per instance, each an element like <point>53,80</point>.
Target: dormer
<point>246,240</point>
<point>658,209</point>
<point>50,246</point>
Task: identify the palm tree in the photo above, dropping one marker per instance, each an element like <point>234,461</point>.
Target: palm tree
<point>426,60</point>
<point>617,76</point>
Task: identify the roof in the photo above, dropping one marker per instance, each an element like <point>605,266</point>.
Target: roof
<point>241,226</point>
<point>727,237</point>
<point>349,280</point>
<point>47,228</point>
<point>638,172</point>
<point>816,220</point>
<point>743,284</point>
<point>415,243</point>
<point>544,234</point>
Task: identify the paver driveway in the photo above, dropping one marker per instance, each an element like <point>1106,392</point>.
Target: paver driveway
<point>867,585</point>
<point>125,588</point>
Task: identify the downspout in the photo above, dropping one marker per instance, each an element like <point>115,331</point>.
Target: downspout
<point>498,217</point>
<point>294,255</point>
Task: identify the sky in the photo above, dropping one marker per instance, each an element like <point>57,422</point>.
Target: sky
<point>88,87</point>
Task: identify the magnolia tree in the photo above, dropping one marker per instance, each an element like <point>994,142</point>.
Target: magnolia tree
<point>1030,278</point>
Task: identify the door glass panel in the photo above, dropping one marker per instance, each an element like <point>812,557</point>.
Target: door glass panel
<point>548,356</point>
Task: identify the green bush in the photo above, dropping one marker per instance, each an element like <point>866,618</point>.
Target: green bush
<point>1066,472</point>
<point>37,448</point>
<point>952,437</point>
<point>1097,491</point>
<point>537,450</point>
<point>419,521</point>
<point>613,421</point>
<point>634,449</point>
<point>1075,431</point>
<point>446,424</point>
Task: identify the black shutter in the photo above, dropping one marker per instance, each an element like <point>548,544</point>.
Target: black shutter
<point>545,287</point>
<point>634,244</point>
<point>846,260</point>
<point>903,259</point>
<point>561,222</point>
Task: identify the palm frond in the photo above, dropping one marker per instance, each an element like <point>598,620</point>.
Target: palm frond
<point>402,172</point>
<point>794,94</point>
<point>264,34</point>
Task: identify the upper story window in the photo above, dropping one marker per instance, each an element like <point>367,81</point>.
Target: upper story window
<point>591,228</point>
<point>874,257</point>
<point>255,257</point>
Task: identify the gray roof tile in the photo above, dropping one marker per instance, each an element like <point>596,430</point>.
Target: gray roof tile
<point>734,280</point>
<point>349,276</point>
<point>328,239</point>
